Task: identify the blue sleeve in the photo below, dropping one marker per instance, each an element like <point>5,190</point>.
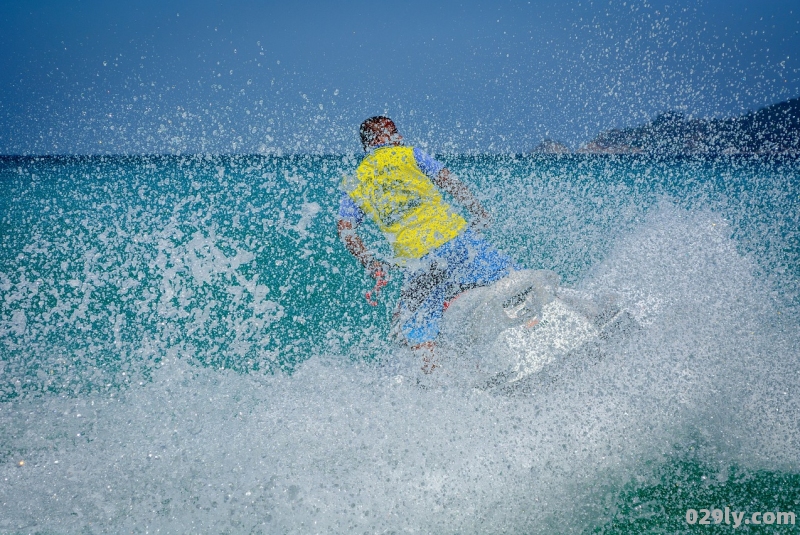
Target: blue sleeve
<point>427,163</point>
<point>349,210</point>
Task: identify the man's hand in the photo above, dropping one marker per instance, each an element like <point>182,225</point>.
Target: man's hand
<point>378,269</point>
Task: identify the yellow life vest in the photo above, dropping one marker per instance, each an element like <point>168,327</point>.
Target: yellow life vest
<point>403,202</point>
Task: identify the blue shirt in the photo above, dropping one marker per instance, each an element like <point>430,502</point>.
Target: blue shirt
<point>426,163</point>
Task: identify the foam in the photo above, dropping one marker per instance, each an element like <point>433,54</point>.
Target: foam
<point>342,446</point>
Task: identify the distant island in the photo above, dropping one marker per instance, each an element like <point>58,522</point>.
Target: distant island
<point>774,129</point>
<point>548,146</point>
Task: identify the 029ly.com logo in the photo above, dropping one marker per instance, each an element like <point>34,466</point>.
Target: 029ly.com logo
<point>737,518</point>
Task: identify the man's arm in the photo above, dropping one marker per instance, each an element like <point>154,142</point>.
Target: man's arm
<point>353,242</point>
<point>460,192</point>
<point>355,246</point>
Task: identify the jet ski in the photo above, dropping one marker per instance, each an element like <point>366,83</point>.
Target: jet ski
<point>525,323</point>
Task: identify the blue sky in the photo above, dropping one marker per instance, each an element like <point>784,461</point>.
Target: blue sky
<point>275,77</point>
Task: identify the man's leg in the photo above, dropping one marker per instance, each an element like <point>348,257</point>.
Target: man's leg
<point>482,263</point>
<point>470,261</point>
<point>418,325</point>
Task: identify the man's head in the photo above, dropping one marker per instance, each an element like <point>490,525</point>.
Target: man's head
<point>379,130</point>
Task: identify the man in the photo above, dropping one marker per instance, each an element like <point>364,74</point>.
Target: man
<point>441,255</point>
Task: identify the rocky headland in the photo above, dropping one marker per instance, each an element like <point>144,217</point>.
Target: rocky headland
<point>774,129</point>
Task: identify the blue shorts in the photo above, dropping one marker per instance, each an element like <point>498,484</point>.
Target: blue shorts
<point>465,262</point>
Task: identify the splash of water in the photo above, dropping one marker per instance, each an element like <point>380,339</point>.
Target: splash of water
<point>340,445</point>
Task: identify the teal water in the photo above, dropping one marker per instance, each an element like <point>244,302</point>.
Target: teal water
<point>185,342</point>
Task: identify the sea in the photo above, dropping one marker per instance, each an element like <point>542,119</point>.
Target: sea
<point>186,347</point>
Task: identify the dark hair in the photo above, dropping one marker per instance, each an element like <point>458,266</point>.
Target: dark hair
<point>374,127</point>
